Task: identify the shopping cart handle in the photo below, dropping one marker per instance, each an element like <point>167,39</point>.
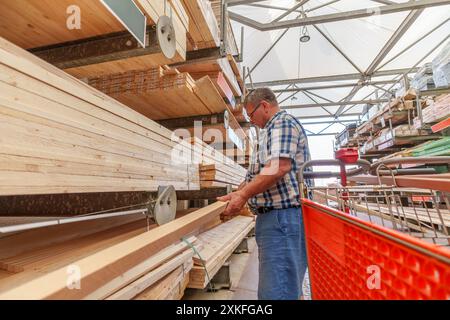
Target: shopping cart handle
<point>320,175</point>
<point>364,166</point>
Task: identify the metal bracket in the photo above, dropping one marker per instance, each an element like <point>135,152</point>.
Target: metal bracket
<point>165,32</point>
<point>222,279</point>
<point>164,208</point>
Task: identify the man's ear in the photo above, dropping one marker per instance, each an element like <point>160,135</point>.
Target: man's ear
<point>266,106</point>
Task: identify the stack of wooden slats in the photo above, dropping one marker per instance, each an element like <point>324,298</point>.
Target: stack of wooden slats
<point>218,245</point>
<point>162,94</point>
<point>216,169</point>
<point>203,28</point>
<point>119,263</point>
<point>40,23</point>
<point>217,175</point>
<point>59,135</point>
<point>171,287</point>
<point>206,67</point>
<point>438,110</point>
<point>220,83</point>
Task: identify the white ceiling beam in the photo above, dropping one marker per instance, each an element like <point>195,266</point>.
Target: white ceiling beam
<point>355,14</point>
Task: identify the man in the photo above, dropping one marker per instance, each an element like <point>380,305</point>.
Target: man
<point>272,192</point>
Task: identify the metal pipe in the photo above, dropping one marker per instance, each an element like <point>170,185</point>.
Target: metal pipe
<point>410,171</point>
<point>364,166</point>
<point>36,225</point>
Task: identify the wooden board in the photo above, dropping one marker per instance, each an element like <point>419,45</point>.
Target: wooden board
<point>38,23</point>
<point>203,27</point>
<point>156,265</point>
<point>214,65</point>
<point>141,284</point>
<point>171,287</point>
<point>219,243</point>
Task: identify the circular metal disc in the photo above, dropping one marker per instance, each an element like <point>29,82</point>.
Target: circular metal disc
<point>166,206</point>
<point>166,36</point>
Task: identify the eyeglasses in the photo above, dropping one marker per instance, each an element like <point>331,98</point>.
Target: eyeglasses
<point>253,112</point>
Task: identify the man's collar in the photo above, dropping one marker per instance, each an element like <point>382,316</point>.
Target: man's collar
<point>273,118</point>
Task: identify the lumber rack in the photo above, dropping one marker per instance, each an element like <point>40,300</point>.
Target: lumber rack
<point>161,209</point>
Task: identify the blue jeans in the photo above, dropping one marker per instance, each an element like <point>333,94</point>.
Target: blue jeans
<point>282,254</point>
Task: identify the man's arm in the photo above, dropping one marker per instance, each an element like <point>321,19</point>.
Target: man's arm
<point>269,176</point>
<point>242,185</point>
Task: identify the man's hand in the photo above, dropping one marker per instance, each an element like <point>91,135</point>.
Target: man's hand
<point>236,202</point>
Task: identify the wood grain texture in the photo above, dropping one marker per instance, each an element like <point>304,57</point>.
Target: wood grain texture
<point>101,267</point>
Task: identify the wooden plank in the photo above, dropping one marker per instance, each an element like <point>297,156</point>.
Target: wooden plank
<point>32,240</point>
<point>198,277</point>
<point>105,265</point>
<point>138,271</point>
<point>164,289</point>
<point>147,280</point>
<point>38,23</point>
<point>216,239</point>
<point>206,91</point>
<point>214,65</point>
<point>203,26</point>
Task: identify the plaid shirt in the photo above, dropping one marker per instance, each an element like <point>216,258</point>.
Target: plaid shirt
<point>282,137</point>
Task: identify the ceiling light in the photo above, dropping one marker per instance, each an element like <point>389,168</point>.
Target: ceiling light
<point>305,35</point>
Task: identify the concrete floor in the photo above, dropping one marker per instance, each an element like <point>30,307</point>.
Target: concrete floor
<point>244,278</point>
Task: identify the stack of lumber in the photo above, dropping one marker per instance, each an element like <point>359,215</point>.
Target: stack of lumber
<point>440,147</point>
<point>395,110</point>
<point>439,110</point>
<point>162,94</point>
<point>217,175</point>
<point>171,287</point>
<point>59,135</point>
<point>392,128</point>
<point>33,24</point>
<point>56,253</point>
<point>121,263</point>
<point>141,278</point>
<point>216,169</point>
<point>203,29</point>
<point>218,245</point>
<point>404,131</point>
<point>220,83</point>
<point>206,67</point>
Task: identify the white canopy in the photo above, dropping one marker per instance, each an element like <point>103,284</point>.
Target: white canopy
<point>373,51</point>
<point>344,49</point>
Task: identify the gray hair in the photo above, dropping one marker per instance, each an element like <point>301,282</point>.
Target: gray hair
<point>259,94</point>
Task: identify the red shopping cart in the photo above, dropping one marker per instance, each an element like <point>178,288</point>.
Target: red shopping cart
<point>376,241</point>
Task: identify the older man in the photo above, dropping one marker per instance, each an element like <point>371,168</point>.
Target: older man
<point>272,191</point>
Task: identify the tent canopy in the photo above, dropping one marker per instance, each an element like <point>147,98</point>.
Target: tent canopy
<point>358,51</point>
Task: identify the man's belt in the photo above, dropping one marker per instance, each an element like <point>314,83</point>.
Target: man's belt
<point>263,210</point>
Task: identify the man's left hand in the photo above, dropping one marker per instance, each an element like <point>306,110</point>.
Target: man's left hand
<point>236,202</point>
